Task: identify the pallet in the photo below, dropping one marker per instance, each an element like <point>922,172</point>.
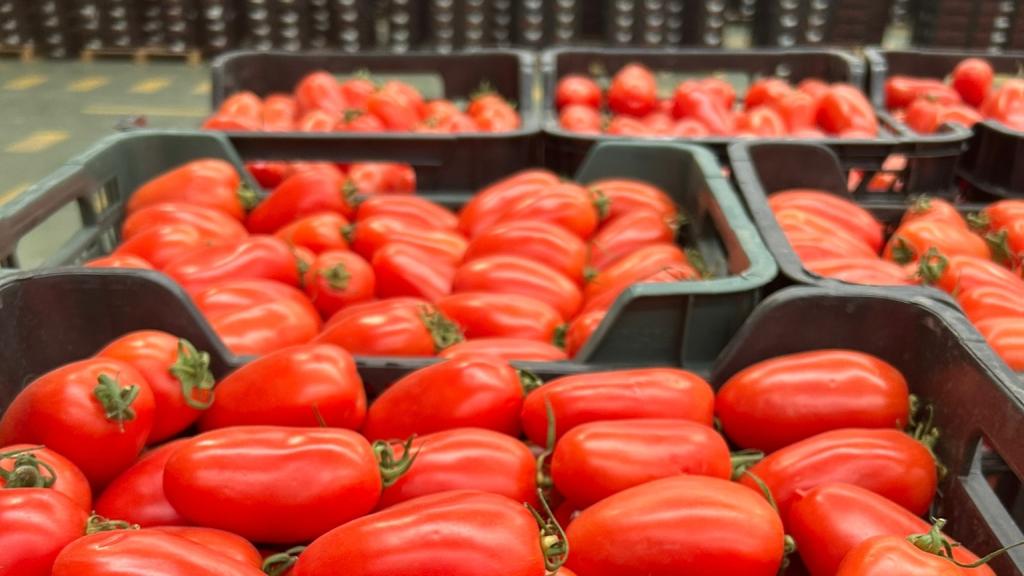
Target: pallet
<point>192,56</point>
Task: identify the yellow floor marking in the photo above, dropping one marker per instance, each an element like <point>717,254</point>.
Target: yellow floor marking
<point>12,192</point>
<point>37,141</point>
<point>201,88</point>
<point>150,86</point>
<point>24,82</point>
<point>122,110</point>
<point>88,84</point>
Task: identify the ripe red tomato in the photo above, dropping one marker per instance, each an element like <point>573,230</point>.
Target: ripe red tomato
<point>212,224</point>
<point>1006,336</point>
<point>320,91</point>
<point>766,92</point>
<point>800,221</point>
<point>1004,102</point>
<point>459,533</point>
<point>901,91</point>
<point>972,79</point>
<point>178,375</point>
<point>30,466</point>
<point>535,240</point>
<point>279,112</point>
<point>628,126</point>
<point>871,271</point>
<point>96,413</point>
<point>719,88</point>
<point>466,459</point>
<point>963,273</point>
<point>258,316</point>
<point>360,121</point>
<point>628,233</point>
<point>382,178</point>
<point>317,121</point>
<point>161,245</point>
<point>568,205</point>
<point>438,110</point>
<point>633,268</point>
<point>679,521</point>
<point>417,210</point>
<point>35,524</point>
<point>507,349</point>
<point>396,114</point>
<point>496,116</point>
<point>357,91</point>
<point>777,402</point>
<point>244,104</point>
<point>119,261</point>
<point>488,204</point>
<point>393,327</point>
<point>912,240</point>
<point>999,215</point>
<point>927,208</point>
<point>320,189</point>
<point>578,90</point>
<point>625,196</point>
<point>887,462</point>
<point>316,232</point>
<point>688,128</point>
<point>923,116</point>
<point>813,87</point>
<point>841,212</point>
<point>229,123</point>
<point>371,234</point>
<point>617,395</point>
<point>269,174</point>
<point>405,270</point>
<point>137,494</point>
<point>798,110</point>
<point>844,108</point>
<point>475,392</point>
<point>489,315</point>
<point>812,247</point>
<point>984,302</point>
<point>658,122</point>
<point>256,257</point>
<point>302,385</point>
<point>337,279</point>
<point>763,121</point>
<point>881,555</point>
<point>580,330</point>
<point>633,91</point>
<point>231,545</point>
<point>211,183</point>
<point>691,101</point>
<point>515,275</point>
<point>579,118</point>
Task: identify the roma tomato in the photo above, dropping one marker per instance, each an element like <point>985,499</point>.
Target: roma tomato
<point>579,90</point>
<point>719,88</point>
<point>474,392</point>
<point>137,494</point>
<point>678,523</point>
<point>498,117</point>
<point>515,275</point>
<point>456,533</point>
<point>161,245</point>
<point>845,108</point>
<point>371,234</point>
<point>258,316</point>
<point>466,459</point>
<point>688,128</point>
<point>417,210</point>
<point>535,240</point>
<point>35,524</point>
<point>841,212</point>
<point>396,114</point>
<point>694,102</point>
<point>923,116</point>
<point>813,87</point>
<point>490,315</point>
<point>887,462</point>
<point>214,225</point>
<point>229,123</point>
<point>256,257</point>
<point>812,246</point>
<point>29,466</point>
<point>1006,336</point>
<point>617,395</point>
<point>669,272</point>
<point>177,373</point>
<point>912,240</point>
<point>598,459</point>
<point>881,555</point>
<point>872,271</point>
<point>360,121</point>
<point>766,92</point>
<point>97,413</point>
<point>506,348</point>
<point>633,91</point>
<point>406,270</point>
<point>628,233</point>
<point>776,402</point>
<point>317,121</point>
<point>568,205</point>
<point>633,268</point>
<point>628,126</point>
<point>317,232</point>
<point>625,196</point>
<point>337,279</point>
<point>963,273</point>
<point>245,104</point>
<point>279,112</point>
<point>269,174</point>
<point>901,91</point>
<point>320,91</point>
<point>357,91</point>
<point>1005,102</point>
<point>303,385</point>
<point>119,261</point>
<point>490,203</point>
<point>393,327</point>
<point>438,110</point>
<point>215,477</point>
<point>321,189</point>
<point>211,183</point>
<point>228,544</point>
<point>798,111</point>
<point>927,208</point>
<point>972,79</point>
<point>580,330</point>
<point>406,94</point>
<point>578,118</point>
<point>999,215</point>
<point>984,302</point>
<point>382,178</point>
<point>763,121</point>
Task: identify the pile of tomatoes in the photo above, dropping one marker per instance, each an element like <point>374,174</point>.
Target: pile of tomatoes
<point>707,107</point>
<point>284,464</point>
<point>976,259</point>
<point>527,269</point>
<point>322,103</point>
<point>967,97</point>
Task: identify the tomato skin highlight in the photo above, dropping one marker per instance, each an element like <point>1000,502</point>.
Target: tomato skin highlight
<point>392,327</point>
<point>681,524</point>
<point>68,479</point>
<point>137,494</point>
<point>839,211</point>
<point>317,232</point>
<point>417,210</point>
<point>506,348</point>
<point>540,241</point>
<point>871,271</point>
<point>256,257</point>
<point>405,270</point>
<point>488,315</point>
<point>35,524</point>
<point>319,189</point>
<point>985,302</point>
<point>231,545</point>
<point>1006,336</point>
<point>211,223</point>
<point>515,275</point>
<point>211,183</point>
<point>488,204</point>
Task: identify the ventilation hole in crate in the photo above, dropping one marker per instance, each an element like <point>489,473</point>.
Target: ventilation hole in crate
<point>48,236</point>
<point>1001,478</point>
<point>104,198</point>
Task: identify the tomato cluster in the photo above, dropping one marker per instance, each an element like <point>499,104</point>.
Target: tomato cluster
<point>322,103</point>
<point>977,259</point>
<point>967,97</point>
<point>708,107</point>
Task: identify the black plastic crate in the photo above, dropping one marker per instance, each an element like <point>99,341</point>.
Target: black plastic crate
<point>484,156</point>
<point>652,323</point>
<point>787,23</point>
<point>929,159</point>
<point>966,24</point>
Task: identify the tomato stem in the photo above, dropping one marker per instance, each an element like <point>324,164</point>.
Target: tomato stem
<point>979,222</point>
<point>444,332</point>
<point>278,564</point>
<point>558,338</point>
<point>935,542</point>
<point>390,468</point>
<point>932,265</point>
<point>743,460</point>
<point>921,204</point>
<point>116,401</point>
<point>247,197</point>
<point>902,251</point>
<point>924,430</point>
<point>192,370</point>
<point>696,259</point>
<point>350,193</point>
<point>97,523</point>
<point>545,484</point>
<point>27,470</point>
<point>337,276</point>
<point>999,245</point>
<point>553,542</point>
<point>528,380</point>
<point>602,204</point>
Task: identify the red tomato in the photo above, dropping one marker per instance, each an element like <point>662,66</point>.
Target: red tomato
<point>373,233</point>
<point>456,533</point>
<point>688,128</point>
<point>458,124</point>
<point>881,555</point>
<point>922,116</point>
<point>506,348</point>
<point>777,402</point>
<point>401,269</point>
<point>161,245</point>
<point>268,174</point>
<point>678,522</point>
<point>96,413</point>
<point>766,92</point>
<point>959,114</point>
<point>307,192</point>
<point>628,233</point>
<point>137,494</point>
<point>927,208</point>
<point>568,205</point>
<point>231,545</point>
<point>535,240</point>
<point>382,178</point>
<point>658,122</point>
<point>475,392</point>
<point>579,118</point>
<point>984,302</point>
<point>211,183</point>
<point>29,466</point>
<point>625,196</point>
<point>320,91</point>
<point>119,261</point>
<point>395,113</point>
<point>963,273</point>
<point>497,117</point>
<point>912,240</point>
<point>357,91</point>
<point>246,104</point>
<point>811,247</point>
<point>900,91</point>
<point>762,121</point>
<point>598,459</point>
<point>35,524</point>
<point>813,87</point>
<point>617,395</point>
<point>578,90</point>
<point>406,94</point>
<point>1006,336</point>
<point>628,126</point>
<point>972,79</point>
<point>515,275</point>
<point>871,271</point>
<point>633,268</point>
<point>360,121</point>
<point>228,123</point>
<point>693,102</point>
<point>337,279</point>
<point>797,109</point>
<point>797,221</point>
<point>633,91</point>
<point>580,330</point>
<point>212,224</point>
<point>317,232</point>
<point>178,375</point>
<point>395,327</point>
<point>1005,101</point>
<point>841,212</point>
<point>999,215</point>
<point>258,316</point>
<point>256,257</point>
<point>844,108</point>
<point>887,462</point>
<point>417,210</point>
<point>279,112</point>
<point>484,314</point>
<point>488,204</point>
<point>317,121</point>
<point>719,88</point>
<point>466,459</point>
<point>438,110</point>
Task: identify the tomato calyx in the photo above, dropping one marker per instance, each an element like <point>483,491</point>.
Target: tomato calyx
<point>528,380</point>
<point>932,265</point>
<point>247,197</point>
<point>545,483</point>
<point>935,543</point>
<point>999,245</point>
<point>97,523</point>
<point>924,431</point>
<point>979,221</point>
<point>193,372</point>
<point>337,276</point>
<point>558,337</point>
<point>350,193</point>
<point>902,251</point>
<point>554,544</point>
<point>116,401</point>
<point>444,332</point>
<point>27,471</point>
<point>601,202</point>
<point>391,469</point>
<point>788,543</point>
<point>278,564</point>
<point>743,460</point>
<point>920,205</point>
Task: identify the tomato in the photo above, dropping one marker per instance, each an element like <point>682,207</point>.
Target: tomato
<point>999,215</point>
<point>438,110</point>
<point>688,128</point>
<point>526,349</point>
<point>841,212</point>
<point>178,375</point>
<point>678,523</point>
<point>487,205</point>
<point>357,91</point>
<point>231,545</point>
<point>35,524</point>
<point>923,116</point>
<point>579,118</point>
<point>625,196</point>
<point>370,235</point>
<point>762,121</point>
<point>30,466</point>
<point>498,117</point>
<point>456,533</point>
<point>984,302</point>
<point>457,124</point>
<point>887,462</point>
<point>844,108</point>
<point>800,222</point>
<point>245,104</point>
<point>633,268</point>
<point>137,494</point>
<point>394,327</point>
<point>476,392</point>
<point>320,91</point>
<point>485,314</point>
<point>777,402</point>
<point>568,205</point>
<point>719,88</point>
<point>161,245</point>
<point>258,316</point>
<point>578,90</point>
<point>229,123</point>
<point>658,122</point>
<point>1005,101</point>
<point>901,91</point>
<point>972,79</point>
<point>119,261</point>
<point>415,209</point>
<point>927,208</point>
<point>212,224</point>
<point>580,330</point>
<point>466,459</point>
<point>798,110</point>
<point>813,87</point>
<point>1006,336</point>
<point>256,257</point>
<point>97,413</point>
<point>317,121</point>
<point>402,269</point>
<point>406,94</point>
<point>317,232</point>
<point>515,275</point>
<point>598,459</point>
<point>871,271</point>
<point>912,240</point>
<point>628,233</point>
<point>693,102</point>
<point>882,554</point>
<point>336,279</point>
<point>830,520</point>
<point>628,126</point>
<point>396,114</point>
<point>812,247</point>
<point>307,192</point>
<point>535,240</point>
<point>211,183</point>
<point>959,114</point>
<point>961,273</point>
<point>382,178</point>
<point>766,92</point>
<point>617,395</point>
<point>268,174</point>
<point>633,91</point>
<point>279,112</point>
